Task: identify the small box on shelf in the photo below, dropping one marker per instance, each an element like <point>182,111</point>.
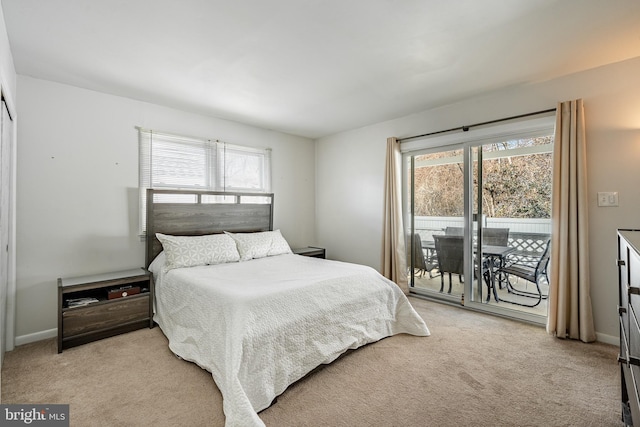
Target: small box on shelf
<point>123,291</point>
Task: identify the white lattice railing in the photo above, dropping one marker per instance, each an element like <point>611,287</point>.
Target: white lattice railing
<point>528,236</point>
<point>427,226</point>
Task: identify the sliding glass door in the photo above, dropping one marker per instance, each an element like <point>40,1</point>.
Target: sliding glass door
<point>472,211</point>
<point>436,205</point>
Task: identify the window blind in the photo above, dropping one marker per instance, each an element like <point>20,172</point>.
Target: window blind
<point>181,162</point>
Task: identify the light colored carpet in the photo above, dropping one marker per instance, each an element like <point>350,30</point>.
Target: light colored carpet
<point>474,370</point>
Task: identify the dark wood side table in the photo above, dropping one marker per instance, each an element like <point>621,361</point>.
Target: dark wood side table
<point>103,305</point>
<point>310,251</point>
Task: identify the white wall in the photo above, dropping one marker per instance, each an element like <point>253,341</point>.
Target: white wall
<point>77,204</point>
<point>7,294</point>
<point>7,69</point>
<point>350,168</point>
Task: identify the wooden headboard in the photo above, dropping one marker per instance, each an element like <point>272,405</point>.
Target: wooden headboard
<point>196,213</point>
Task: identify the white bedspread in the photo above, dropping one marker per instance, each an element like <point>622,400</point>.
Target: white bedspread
<point>258,326</point>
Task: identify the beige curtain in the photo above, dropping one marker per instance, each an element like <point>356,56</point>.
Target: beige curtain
<point>394,262</point>
<point>570,314</point>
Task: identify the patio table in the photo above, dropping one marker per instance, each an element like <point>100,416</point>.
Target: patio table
<point>494,256</point>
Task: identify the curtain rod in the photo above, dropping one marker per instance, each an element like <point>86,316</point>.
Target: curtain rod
<point>175,135</point>
<point>467,127</point>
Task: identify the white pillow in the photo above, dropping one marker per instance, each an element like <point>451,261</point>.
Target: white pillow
<point>190,251</point>
<point>260,245</point>
<point>157,263</point>
<point>279,245</point>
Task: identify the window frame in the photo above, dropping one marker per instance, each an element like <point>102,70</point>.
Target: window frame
<point>212,166</point>
<point>466,141</point>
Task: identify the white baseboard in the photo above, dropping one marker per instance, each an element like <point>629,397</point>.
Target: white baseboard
<point>37,336</point>
<point>607,339</point>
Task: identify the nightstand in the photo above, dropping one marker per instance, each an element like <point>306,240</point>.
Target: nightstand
<point>310,251</point>
<point>103,305</point>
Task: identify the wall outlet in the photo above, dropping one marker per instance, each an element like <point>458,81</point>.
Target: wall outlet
<point>609,198</point>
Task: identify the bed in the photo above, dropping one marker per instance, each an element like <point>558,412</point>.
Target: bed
<point>255,315</point>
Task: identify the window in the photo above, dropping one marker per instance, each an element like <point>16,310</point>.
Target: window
<point>180,162</point>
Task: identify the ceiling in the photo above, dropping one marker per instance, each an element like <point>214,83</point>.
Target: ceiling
<point>314,67</point>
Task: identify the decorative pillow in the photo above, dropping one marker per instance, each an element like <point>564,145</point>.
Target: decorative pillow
<point>278,245</point>
<point>260,245</point>
<point>190,251</point>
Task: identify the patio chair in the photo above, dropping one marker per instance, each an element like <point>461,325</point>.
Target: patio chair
<point>490,236</point>
<point>450,254</point>
<point>495,236</point>
<point>421,263</point>
<point>449,251</point>
<point>454,231</point>
<point>528,247</point>
<point>528,274</point>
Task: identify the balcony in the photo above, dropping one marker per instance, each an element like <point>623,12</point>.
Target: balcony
<point>527,236</point>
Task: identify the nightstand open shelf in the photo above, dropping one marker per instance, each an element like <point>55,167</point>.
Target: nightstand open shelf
<point>99,306</point>
<point>310,251</point>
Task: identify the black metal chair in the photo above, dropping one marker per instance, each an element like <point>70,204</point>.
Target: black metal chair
<point>528,274</point>
<point>528,247</point>
<point>495,236</point>
<point>450,254</point>
<point>490,236</point>
<point>454,231</point>
<point>421,262</point>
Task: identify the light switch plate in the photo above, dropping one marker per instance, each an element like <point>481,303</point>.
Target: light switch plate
<point>608,198</point>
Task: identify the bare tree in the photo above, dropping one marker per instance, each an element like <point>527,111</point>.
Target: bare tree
<point>513,186</point>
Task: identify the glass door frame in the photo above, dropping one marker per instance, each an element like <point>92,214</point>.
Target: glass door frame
<point>473,295</point>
